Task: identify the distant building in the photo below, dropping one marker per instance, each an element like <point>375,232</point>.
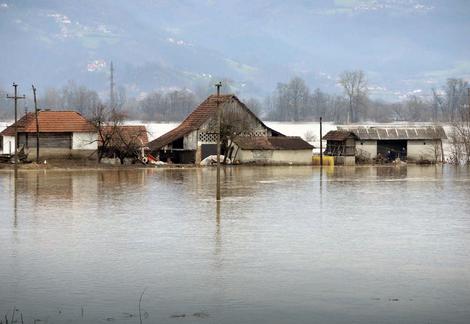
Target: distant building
<point>62,134</point>
<point>387,143</point>
<point>195,138</point>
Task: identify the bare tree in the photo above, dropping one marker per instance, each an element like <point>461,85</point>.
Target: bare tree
<point>355,89</point>
<point>233,124</point>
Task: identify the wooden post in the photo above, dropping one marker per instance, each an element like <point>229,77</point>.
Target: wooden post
<point>36,113</point>
<point>218,85</point>
<point>321,143</point>
<point>15,97</point>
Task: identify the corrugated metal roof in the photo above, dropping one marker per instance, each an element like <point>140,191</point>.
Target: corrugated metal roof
<point>397,133</point>
<point>272,143</point>
<point>51,122</point>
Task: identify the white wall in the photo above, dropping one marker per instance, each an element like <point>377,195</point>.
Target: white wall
<point>370,147</point>
<point>8,144</point>
<point>424,150</point>
<point>275,156</point>
<point>85,141</point>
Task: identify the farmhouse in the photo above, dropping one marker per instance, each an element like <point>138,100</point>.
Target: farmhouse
<point>245,138</point>
<point>387,143</point>
<point>62,134</point>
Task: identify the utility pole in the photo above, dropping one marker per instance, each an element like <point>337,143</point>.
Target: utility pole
<point>218,85</point>
<point>111,87</point>
<point>15,97</point>
<point>36,113</point>
<point>321,143</point>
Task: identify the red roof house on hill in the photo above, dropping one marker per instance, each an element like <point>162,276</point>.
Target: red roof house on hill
<point>61,134</point>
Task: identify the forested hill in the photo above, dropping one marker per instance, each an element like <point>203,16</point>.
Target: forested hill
<point>404,46</point>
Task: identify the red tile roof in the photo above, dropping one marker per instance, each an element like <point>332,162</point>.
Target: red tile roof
<point>272,143</point>
<point>121,135</point>
<point>52,122</point>
<point>196,119</point>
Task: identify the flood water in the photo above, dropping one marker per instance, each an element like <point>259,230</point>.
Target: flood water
<point>285,245</point>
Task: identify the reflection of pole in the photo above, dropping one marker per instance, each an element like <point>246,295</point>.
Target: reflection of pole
<point>36,112</point>
<point>321,143</point>
<point>15,201</point>
<point>218,85</point>
<point>15,97</point>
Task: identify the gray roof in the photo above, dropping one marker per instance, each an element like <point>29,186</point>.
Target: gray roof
<point>397,133</point>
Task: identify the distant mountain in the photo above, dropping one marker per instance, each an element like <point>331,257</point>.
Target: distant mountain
<point>404,46</point>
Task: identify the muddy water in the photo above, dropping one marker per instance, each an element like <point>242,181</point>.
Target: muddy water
<point>286,245</point>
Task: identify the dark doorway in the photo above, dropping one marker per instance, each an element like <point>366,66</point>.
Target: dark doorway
<point>208,149</point>
<point>392,149</point>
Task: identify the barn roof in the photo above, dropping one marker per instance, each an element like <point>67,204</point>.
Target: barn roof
<point>196,119</point>
<point>128,134</point>
<point>51,122</point>
<point>397,133</point>
<point>272,143</point>
<point>339,135</point>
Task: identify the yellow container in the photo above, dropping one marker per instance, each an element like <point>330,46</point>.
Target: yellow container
<point>327,160</point>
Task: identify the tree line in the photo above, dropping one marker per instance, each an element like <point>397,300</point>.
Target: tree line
<point>291,101</point>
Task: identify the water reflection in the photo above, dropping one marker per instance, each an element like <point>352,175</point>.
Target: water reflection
<point>285,244</point>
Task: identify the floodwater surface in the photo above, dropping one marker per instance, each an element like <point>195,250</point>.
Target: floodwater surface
<point>285,245</point>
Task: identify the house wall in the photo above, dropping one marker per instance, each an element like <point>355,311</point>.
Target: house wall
<point>368,147</point>
<point>8,144</point>
<point>190,141</point>
<point>207,132</point>
<point>61,153</point>
<point>275,156</point>
<point>85,141</point>
<point>419,150</point>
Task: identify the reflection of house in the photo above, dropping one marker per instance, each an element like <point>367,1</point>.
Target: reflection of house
<point>195,138</point>
<point>61,134</point>
<point>411,143</point>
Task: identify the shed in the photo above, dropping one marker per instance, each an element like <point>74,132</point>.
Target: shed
<point>411,143</point>
<point>61,134</point>
<point>272,150</point>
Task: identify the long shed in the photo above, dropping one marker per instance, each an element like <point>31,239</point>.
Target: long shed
<point>410,143</point>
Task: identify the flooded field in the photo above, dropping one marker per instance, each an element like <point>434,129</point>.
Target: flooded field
<point>285,245</point>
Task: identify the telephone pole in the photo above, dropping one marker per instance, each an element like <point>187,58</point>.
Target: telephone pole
<point>36,112</point>
<point>111,87</point>
<point>218,85</point>
<point>16,98</point>
<point>321,143</point>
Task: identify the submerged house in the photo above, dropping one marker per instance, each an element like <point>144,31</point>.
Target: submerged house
<point>246,139</point>
<point>62,134</point>
<point>387,143</point>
